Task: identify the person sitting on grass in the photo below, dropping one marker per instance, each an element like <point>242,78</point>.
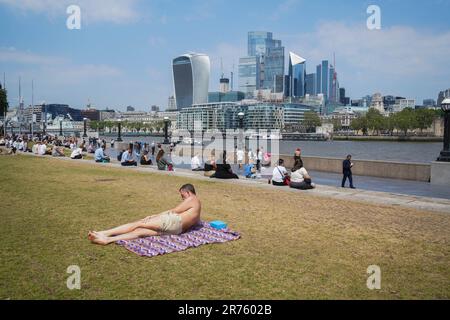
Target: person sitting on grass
<point>162,162</point>
<point>77,153</point>
<point>300,179</point>
<point>250,170</point>
<point>42,149</point>
<point>128,158</point>
<point>100,156</point>
<point>58,152</point>
<point>196,163</point>
<point>145,159</point>
<point>280,176</point>
<point>172,222</point>
<point>223,170</point>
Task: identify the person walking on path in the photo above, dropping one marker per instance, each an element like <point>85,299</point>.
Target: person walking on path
<point>347,170</point>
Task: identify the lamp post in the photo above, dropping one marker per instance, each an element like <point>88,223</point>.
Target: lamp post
<point>445,153</point>
<point>85,128</point>
<point>241,116</point>
<point>119,137</point>
<point>60,128</point>
<point>166,130</point>
<point>44,123</point>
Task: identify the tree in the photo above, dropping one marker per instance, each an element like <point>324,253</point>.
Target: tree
<point>375,120</point>
<point>405,120</point>
<point>389,124</point>
<point>3,101</point>
<point>360,124</point>
<point>424,118</point>
<point>311,121</point>
<point>337,125</point>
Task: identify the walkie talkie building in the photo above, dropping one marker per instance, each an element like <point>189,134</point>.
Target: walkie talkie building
<point>191,79</point>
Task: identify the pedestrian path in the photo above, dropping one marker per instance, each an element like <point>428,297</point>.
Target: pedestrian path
<point>423,203</point>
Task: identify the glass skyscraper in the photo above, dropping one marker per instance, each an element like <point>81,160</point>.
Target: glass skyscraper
<point>191,79</point>
<point>270,54</point>
<point>311,84</point>
<point>249,73</point>
<point>297,72</point>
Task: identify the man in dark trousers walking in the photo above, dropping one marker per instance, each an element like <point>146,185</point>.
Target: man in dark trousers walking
<point>347,169</point>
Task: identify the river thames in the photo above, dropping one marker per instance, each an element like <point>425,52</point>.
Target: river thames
<point>420,152</point>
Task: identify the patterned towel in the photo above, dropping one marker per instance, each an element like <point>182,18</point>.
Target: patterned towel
<point>199,235</point>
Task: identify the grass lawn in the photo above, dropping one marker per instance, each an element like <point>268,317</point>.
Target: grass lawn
<point>293,246</point>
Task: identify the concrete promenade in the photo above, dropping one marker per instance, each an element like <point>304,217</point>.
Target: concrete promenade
<point>367,196</point>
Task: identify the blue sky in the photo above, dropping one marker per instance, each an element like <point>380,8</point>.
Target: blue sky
<point>123,52</point>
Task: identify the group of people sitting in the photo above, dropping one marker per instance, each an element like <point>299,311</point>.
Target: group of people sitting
<point>220,169</point>
<point>298,178</point>
<point>131,156</point>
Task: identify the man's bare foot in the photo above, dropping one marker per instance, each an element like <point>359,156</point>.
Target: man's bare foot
<point>91,235</point>
<point>100,239</point>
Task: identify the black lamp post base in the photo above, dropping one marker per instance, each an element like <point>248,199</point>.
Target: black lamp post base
<point>444,157</point>
<point>166,141</point>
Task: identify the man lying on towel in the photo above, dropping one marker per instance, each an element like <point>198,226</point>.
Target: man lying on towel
<point>172,222</point>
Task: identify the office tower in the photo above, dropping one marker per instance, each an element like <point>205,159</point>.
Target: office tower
<point>297,73</point>
<point>249,73</point>
<point>191,79</point>
<point>325,79</point>
<point>319,79</point>
<point>342,96</point>
<point>442,96</point>
<point>270,53</point>
<point>224,85</point>
<point>429,103</point>
<point>171,105</point>
<point>311,84</point>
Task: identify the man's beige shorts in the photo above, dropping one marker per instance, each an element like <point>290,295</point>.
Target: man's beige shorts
<point>171,223</point>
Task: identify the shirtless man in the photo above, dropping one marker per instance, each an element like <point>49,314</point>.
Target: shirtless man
<point>172,222</point>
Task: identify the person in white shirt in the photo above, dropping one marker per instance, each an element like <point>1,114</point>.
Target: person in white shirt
<point>196,164</point>
<point>35,148</point>
<point>280,174</point>
<point>300,179</point>
<point>42,149</point>
<point>77,154</point>
<point>240,158</point>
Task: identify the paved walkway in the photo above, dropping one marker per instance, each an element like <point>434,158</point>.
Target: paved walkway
<point>360,195</point>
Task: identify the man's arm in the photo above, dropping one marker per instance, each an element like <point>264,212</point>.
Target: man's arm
<point>183,207</point>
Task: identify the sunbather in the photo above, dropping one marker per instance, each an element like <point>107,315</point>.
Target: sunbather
<point>172,222</point>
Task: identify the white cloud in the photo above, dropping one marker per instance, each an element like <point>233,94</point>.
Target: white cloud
<point>229,55</point>
<point>116,11</point>
<point>283,8</point>
<point>12,55</point>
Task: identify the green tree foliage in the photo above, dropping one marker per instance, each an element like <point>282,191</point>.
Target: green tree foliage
<point>311,121</point>
<point>424,118</point>
<point>405,120</point>
<point>360,124</point>
<point>375,120</point>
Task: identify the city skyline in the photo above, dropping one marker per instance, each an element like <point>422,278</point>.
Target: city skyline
<point>122,55</point>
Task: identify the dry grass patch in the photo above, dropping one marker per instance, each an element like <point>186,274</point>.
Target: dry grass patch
<point>293,246</point>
